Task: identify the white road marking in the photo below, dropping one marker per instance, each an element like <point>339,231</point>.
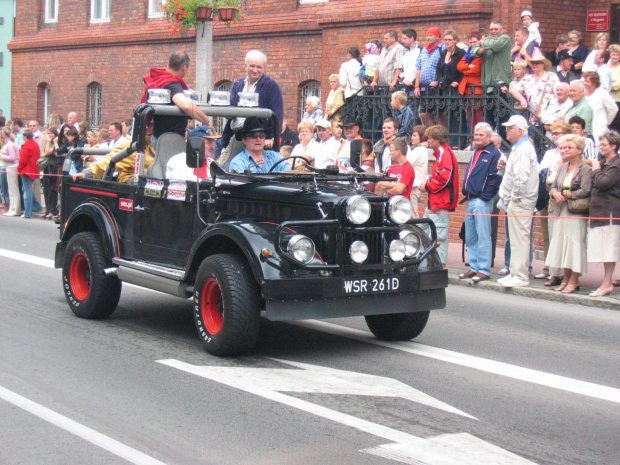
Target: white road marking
<point>445,449</point>
<point>22,257</point>
<point>111,445</point>
<point>490,366</point>
<point>563,383</point>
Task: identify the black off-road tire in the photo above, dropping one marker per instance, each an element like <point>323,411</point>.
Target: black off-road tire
<point>90,293</point>
<point>397,326</point>
<point>227,305</point>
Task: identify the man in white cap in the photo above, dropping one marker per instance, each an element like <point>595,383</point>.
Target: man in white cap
<point>328,145</point>
<point>518,194</point>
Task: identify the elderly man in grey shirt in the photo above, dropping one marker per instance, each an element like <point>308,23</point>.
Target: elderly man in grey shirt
<point>518,194</point>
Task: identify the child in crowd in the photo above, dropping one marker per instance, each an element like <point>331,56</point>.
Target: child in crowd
<point>285,151</point>
<point>367,156</point>
<point>519,70</point>
<point>532,26</point>
<point>370,61</point>
<point>403,114</point>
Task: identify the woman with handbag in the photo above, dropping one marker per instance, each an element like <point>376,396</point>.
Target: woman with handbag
<point>571,192</point>
<point>604,234</point>
<point>48,164</point>
<point>10,154</point>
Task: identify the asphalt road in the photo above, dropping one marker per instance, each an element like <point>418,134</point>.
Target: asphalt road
<point>493,379</point>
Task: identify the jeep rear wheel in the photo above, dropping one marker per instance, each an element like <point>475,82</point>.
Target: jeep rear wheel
<point>397,326</point>
<point>226,305</point>
<point>90,293</point>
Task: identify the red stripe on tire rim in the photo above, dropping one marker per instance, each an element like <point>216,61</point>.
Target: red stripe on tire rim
<point>79,276</point>
<point>210,306</point>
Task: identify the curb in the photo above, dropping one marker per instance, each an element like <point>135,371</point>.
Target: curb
<point>577,298</point>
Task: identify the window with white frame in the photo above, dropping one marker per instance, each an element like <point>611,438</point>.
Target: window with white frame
<point>94,104</point>
<point>99,11</point>
<point>51,11</point>
<point>46,104</point>
<point>156,9</point>
<point>307,90</point>
<point>220,122</point>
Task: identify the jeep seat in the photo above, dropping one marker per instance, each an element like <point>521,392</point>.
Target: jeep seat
<point>168,145</point>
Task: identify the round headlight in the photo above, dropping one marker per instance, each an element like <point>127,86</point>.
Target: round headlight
<point>397,250</point>
<point>358,252</point>
<point>399,209</point>
<point>411,241</point>
<point>301,248</point>
<point>358,209</point>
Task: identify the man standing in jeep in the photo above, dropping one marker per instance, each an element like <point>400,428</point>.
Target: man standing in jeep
<point>171,78</point>
<point>269,96</point>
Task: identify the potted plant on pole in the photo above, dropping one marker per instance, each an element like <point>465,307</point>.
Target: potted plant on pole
<point>183,14</point>
<point>228,10</point>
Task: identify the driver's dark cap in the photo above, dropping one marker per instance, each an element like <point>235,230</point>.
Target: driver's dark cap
<point>350,121</point>
<point>251,124</point>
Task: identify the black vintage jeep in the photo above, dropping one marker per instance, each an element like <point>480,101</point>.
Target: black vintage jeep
<point>296,245</point>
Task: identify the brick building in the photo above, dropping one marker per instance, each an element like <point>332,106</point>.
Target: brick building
<point>89,55</point>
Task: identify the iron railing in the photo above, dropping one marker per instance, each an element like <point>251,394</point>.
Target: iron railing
<point>459,113</point>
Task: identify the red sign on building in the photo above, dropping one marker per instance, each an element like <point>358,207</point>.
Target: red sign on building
<point>597,21</point>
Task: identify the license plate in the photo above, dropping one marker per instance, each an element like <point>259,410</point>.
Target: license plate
<point>382,285</point>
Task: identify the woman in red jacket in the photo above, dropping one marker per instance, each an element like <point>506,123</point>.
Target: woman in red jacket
<point>29,171</point>
<point>442,186</point>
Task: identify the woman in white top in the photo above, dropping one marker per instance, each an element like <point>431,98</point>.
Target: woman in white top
<point>10,154</point>
<point>307,148</point>
<point>417,156</point>
<point>600,44</point>
<point>349,74</point>
<point>603,105</point>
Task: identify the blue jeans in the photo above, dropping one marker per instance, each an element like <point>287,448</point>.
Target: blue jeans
<point>4,186</point>
<point>30,203</point>
<point>478,235</point>
<point>442,224</point>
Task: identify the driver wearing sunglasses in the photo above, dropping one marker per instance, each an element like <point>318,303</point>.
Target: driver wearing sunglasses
<point>255,158</point>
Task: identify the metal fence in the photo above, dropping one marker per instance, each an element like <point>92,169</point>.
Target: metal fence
<point>459,113</point>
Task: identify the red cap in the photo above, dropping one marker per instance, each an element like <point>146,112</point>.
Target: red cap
<point>434,30</point>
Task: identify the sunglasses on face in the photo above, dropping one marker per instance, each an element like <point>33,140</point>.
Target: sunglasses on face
<point>255,136</point>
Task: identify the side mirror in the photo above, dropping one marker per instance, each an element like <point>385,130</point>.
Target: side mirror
<point>195,152</point>
<point>356,152</point>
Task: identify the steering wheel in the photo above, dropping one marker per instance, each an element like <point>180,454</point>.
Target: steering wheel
<point>310,167</point>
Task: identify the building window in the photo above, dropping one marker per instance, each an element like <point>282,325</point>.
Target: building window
<point>94,104</point>
<point>219,123</point>
<point>51,11</point>
<point>43,103</point>
<point>310,88</point>
<point>155,8</point>
<point>99,11</point>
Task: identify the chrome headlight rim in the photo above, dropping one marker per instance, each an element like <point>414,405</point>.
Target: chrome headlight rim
<point>397,250</point>
<point>410,250</point>
<point>398,209</point>
<point>353,211</point>
<point>296,245</point>
<point>359,249</point>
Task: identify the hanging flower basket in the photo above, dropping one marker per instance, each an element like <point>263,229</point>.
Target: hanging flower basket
<point>226,13</point>
<point>182,13</point>
<point>228,10</point>
<point>204,12</point>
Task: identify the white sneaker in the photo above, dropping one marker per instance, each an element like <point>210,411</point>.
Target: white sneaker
<point>541,276</point>
<point>504,272</point>
<point>508,277</point>
<point>515,282</point>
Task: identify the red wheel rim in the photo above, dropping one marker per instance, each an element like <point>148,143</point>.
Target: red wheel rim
<point>79,276</point>
<point>211,306</point>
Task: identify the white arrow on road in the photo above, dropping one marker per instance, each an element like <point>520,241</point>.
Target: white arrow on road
<point>448,449</point>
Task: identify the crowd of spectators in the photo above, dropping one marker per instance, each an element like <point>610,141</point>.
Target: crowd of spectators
<point>569,93</point>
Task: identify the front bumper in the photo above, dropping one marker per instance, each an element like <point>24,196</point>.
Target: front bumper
<point>305,298</point>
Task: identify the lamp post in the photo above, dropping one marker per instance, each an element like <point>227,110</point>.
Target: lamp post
<point>204,51</point>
